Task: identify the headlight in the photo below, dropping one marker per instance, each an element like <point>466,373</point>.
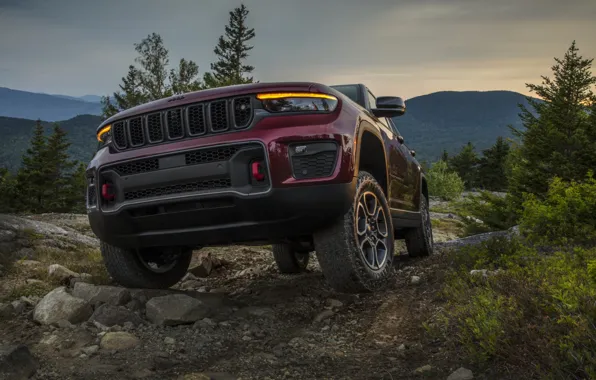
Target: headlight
<point>298,102</point>
<point>104,136</point>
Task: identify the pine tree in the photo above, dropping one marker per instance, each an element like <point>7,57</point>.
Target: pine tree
<point>151,80</point>
<point>558,140</point>
<point>58,171</point>
<point>445,156</point>
<point>78,189</point>
<point>31,182</point>
<point>465,165</point>
<point>8,193</point>
<point>492,166</point>
<point>232,49</point>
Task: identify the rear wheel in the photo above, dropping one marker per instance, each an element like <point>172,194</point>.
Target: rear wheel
<point>419,241</point>
<point>288,259</point>
<point>356,252</point>
<point>146,268</point>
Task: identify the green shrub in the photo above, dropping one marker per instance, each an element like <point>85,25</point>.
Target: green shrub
<point>536,314</point>
<point>491,210</point>
<point>566,216</point>
<point>443,183</point>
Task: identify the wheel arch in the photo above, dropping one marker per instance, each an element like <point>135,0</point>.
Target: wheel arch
<point>370,139</point>
<point>423,189</point>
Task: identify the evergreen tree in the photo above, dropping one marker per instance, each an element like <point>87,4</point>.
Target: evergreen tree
<point>445,156</point>
<point>58,172</point>
<point>78,189</point>
<point>492,166</point>
<point>31,181</point>
<point>232,49</point>
<point>559,140</point>
<point>151,80</point>
<point>465,165</point>
<point>8,193</point>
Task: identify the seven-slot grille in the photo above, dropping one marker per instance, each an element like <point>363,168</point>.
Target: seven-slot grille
<point>183,122</point>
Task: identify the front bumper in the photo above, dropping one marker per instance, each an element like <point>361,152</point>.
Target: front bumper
<point>206,195</point>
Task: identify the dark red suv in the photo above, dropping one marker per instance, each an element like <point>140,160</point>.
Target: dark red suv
<point>303,166</point>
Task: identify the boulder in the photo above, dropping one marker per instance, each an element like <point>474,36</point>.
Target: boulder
<point>175,309</point>
<point>61,273</point>
<point>106,294</point>
<point>16,363</point>
<point>203,267</point>
<point>59,304</point>
<point>118,341</point>
<point>109,315</point>
<point>461,374</point>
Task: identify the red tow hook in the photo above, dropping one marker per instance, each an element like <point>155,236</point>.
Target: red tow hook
<point>107,192</point>
<point>258,172</point>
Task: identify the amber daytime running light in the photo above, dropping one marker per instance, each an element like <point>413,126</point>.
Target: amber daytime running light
<point>298,102</point>
<point>102,132</point>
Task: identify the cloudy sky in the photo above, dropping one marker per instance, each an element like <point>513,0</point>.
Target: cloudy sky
<point>396,47</point>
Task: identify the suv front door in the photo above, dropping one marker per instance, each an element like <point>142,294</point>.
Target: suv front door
<point>398,161</point>
<point>411,181</point>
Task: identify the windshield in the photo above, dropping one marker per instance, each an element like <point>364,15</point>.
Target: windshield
<point>351,91</point>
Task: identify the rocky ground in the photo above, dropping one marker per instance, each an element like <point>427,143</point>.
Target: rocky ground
<point>233,317</point>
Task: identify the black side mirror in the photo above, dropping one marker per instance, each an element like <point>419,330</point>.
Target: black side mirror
<point>389,106</point>
<point>413,153</point>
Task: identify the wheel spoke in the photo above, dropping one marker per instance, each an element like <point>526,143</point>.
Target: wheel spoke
<point>381,222</point>
<point>381,252</point>
<point>368,251</point>
<point>361,222</point>
<point>370,201</point>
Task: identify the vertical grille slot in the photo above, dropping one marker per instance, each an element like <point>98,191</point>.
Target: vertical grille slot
<point>218,112</point>
<point>242,112</point>
<point>154,128</point>
<point>174,124</point>
<point>196,120</point>
<point>91,193</point>
<point>119,135</point>
<point>135,128</point>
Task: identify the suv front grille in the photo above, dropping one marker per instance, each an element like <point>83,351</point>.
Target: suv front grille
<point>181,188</point>
<point>194,120</point>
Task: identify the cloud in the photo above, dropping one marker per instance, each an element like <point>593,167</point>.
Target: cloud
<point>410,47</point>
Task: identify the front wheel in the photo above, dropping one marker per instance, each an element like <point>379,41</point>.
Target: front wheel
<point>288,259</point>
<point>356,252</point>
<point>146,268</point>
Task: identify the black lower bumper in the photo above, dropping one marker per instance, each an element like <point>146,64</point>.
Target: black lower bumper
<point>223,219</point>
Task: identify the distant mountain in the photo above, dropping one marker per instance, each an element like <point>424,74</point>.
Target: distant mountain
<point>85,98</point>
<point>449,119</point>
<point>30,105</point>
<point>442,120</point>
<point>16,135</point>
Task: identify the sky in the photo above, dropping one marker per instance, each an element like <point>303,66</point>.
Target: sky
<point>395,47</point>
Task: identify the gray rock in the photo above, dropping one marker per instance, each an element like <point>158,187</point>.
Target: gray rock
<point>478,272</point>
<point>16,363</point>
<point>203,267</point>
<point>169,340</point>
<point>61,273</point>
<point>7,311</point>
<point>7,235</point>
<point>334,303</point>
<point>18,306</point>
<point>461,374</point>
<point>477,239</point>
<point>415,280</point>
<point>31,281</point>
<point>31,301</point>
<point>191,284</point>
<point>176,309</point>
<point>188,277</point>
<point>118,341</point>
<point>28,263</point>
<point>107,294</point>
<point>64,324</point>
<point>424,369</point>
<point>257,311</point>
<point>91,350</point>
<point>58,305</point>
<point>325,314</point>
<point>109,315</point>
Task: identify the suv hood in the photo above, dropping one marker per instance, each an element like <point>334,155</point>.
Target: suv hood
<point>214,93</point>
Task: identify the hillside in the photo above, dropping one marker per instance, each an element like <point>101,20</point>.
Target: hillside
<point>443,120</point>
<point>29,105</point>
<point>16,134</point>
<point>447,120</point>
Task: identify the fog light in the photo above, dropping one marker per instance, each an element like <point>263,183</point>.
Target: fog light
<point>107,192</point>
<point>258,171</point>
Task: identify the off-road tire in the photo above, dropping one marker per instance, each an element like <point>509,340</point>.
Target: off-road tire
<point>338,251</point>
<point>288,260</point>
<point>127,269</point>
<point>419,241</point>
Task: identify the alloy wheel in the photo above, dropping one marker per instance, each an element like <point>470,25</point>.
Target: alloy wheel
<point>371,231</point>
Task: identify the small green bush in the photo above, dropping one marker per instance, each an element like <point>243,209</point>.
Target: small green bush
<point>492,210</point>
<point>537,313</point>
<point>444,183</point>
<point>567,215</point>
